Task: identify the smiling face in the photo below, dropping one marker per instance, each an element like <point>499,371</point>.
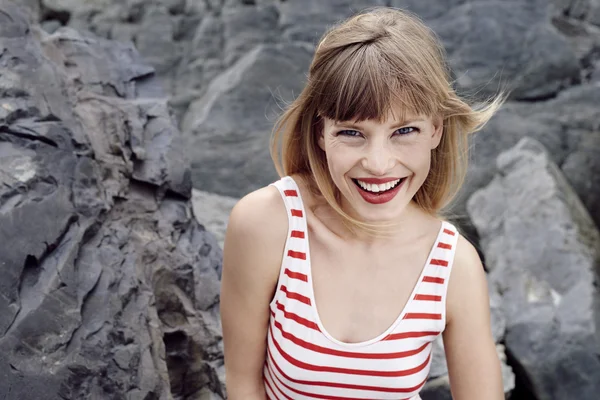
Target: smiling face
<point>379,166</point>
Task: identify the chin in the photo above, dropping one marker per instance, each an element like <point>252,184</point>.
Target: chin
<point>392,213</point>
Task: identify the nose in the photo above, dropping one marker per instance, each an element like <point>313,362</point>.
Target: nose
<point>378,159</point>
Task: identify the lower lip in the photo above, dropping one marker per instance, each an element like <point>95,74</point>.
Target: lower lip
<point>379,198</point>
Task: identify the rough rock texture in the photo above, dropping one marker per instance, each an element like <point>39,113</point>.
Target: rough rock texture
<point>212,211</point>
<point>568,126</point>
<point>226,59</point>
<point>225,119</point>
<point>228,65</point>
<point>543,253</point>
<point>108,285</point>
<point>508,44</point>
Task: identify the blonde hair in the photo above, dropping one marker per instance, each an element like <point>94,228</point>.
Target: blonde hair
<point>362,69</point>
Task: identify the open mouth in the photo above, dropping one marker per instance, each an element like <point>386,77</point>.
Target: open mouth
<point>378,189</point>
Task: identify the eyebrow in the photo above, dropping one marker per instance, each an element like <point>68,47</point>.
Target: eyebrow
<point>359,127</point>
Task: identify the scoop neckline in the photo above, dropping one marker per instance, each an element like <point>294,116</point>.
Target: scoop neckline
<point>311,293</point>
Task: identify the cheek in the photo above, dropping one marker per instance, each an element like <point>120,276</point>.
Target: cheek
<point>339,162</point>
<point>417,156</point>
<point>338,155</point>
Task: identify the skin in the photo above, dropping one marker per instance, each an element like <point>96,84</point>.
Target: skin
<point>356,277</point>
<point>370,149</point>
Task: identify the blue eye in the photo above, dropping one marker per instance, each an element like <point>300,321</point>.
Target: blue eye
<point>407,130</point>
<point>349,132</point>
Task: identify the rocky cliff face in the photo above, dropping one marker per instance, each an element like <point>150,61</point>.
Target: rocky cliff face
<point>230,64</point>
<point>108,285</point>
<point>95,209</point>
<point>543,254</point>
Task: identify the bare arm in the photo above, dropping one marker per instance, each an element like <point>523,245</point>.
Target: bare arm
<point>473,364</point>
<point>254,244</point>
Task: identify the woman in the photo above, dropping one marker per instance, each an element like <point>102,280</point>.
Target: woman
<point>338,277</point>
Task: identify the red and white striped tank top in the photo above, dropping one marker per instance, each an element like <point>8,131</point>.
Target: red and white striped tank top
<point>305,362</point>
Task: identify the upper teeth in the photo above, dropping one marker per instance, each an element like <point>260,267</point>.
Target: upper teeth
<point>371,187</point>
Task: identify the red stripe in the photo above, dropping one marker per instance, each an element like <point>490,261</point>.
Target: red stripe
<point>422,316</point>
<point>297,234</point>
<point>442,245</point>
<point>348,354</point>
<point>296,275</point>
<point>270,374</point>
<point>349,371</point>
<point>433,279</point>
<point>428,297</point>
<point>409,335</point>
<point>294,295</point>
<point>266,391</point>
<point>443,263</point>
<point>297,254</point>
<point>335,384</point>
<point>449,232</point>
<point>291,193</point>
<point>296,213</point>
<point>297,318</point>
<point>275,379</point>
<point>267,385</point>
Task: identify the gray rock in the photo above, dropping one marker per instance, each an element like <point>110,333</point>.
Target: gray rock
<point>228,129</point>
<point>437,389</point>
<point>157,43</point>
<point>504,131</point>
<point>212,211</point>
<point>201,62</point>
<point>543,252</point>
<point>427,10</point>
<point>559,124</point>
<point>594,13</point>
<point>247,27</point>
<point>307,20</point>
<point>586,10</point>
<point>108,285</point>
<point>494,44</point>
<point>225,65</point>
<point>583,38</point>
<point>582,169</point>
<point>534,47</point>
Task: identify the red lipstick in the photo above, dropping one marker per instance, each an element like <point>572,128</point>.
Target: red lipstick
<point>380,197</point>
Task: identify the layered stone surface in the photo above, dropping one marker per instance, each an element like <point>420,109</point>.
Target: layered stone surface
<point>108,285</point>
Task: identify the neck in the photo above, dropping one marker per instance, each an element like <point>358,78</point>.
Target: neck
<point>379,232</point>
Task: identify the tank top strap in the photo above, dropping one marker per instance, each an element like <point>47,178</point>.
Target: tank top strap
<point>447,245</point>
<point>434,286</point>
<point>295,265</point>
<point>445,250</point>
<point>290,194</point>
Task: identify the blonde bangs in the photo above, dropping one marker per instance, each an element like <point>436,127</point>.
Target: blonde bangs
<point>361,83</point>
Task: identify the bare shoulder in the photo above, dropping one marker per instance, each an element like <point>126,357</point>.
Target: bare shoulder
<point>466,256</point>
<point>257,230</point>
<point>261,212</point>
<point>468,280</point>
